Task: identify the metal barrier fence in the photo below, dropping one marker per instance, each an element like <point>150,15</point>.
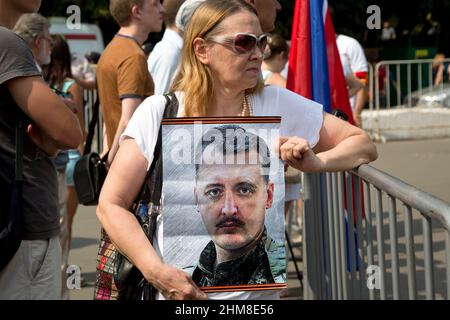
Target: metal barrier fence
<point>90,96</point>
<point>371,85</point>
<point>384,258</point>
<point>401,82</point>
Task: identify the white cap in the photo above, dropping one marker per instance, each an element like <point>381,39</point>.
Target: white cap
<point>185,13</point>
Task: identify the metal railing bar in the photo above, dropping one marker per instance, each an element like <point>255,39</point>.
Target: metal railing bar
<point>368,220</point>
<point>334,179</point>
<point>428,257</point>
<point>342,233</point>
<point>394,247</point>
<point>380,242</point>
<point>331,237</point>
<point>410,61</point>
<point>371,89</point>
<point>408,76</point>
<point>351,237</point>
<point>360,238</point>
<point>398,80</point>
<point>427,204</point>
<point>377,87</point>
<point>388,87</point>
<point>318,239</point>
<point>317,253</point>
<point>324,226</point>
<point>419,72</point>
<point>410,255</point>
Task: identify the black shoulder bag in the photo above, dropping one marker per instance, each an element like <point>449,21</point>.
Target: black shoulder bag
<point>90,170</point>
<point>130,283</point>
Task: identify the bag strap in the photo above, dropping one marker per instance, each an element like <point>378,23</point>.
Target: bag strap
<point>170,111</point>
<point>152,188</point>
<point>92,125</point>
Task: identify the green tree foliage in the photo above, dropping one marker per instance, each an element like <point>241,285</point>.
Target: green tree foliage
<point>349,16</point>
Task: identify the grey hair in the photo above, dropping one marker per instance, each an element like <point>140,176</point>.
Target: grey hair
<point>31,25</point>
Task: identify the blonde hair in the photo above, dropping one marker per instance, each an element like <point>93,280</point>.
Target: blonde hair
<point>121,10</point>
<point>194,78</point>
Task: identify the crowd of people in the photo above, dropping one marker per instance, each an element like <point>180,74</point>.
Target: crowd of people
<point>216,57</point>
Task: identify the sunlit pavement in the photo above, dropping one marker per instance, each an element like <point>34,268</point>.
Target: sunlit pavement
<point>425,164</point>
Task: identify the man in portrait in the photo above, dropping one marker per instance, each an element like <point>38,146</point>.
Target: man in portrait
<point>232,192</point>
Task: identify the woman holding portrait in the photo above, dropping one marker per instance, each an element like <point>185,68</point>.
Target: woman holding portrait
<point>219,76</point>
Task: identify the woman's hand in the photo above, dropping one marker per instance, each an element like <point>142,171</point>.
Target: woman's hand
<point>297,153</point>
<point>175,284</point>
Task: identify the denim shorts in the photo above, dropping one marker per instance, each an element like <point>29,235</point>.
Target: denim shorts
<point>74,156</point>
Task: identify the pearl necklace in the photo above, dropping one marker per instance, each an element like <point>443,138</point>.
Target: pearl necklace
<point>247,110</point>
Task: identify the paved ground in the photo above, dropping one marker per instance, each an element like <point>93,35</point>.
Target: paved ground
<point>425,164</point>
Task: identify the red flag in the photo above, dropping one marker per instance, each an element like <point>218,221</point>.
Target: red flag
<point>304,66</point>
<point>299,73</point>
<point>338,86</point>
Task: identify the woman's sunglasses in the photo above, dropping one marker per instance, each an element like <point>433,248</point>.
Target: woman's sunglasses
<point>243,43</point>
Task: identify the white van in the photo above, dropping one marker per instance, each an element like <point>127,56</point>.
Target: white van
<point>86,39</point>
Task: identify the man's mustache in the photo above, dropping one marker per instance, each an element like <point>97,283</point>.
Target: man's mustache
<point>227,222</point>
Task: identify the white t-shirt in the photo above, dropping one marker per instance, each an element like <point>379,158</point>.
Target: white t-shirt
<point>352,48</point>
<point>358,63</point>
<point>299,117</point>
<point>164,60</point>
<point>345,61</point>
